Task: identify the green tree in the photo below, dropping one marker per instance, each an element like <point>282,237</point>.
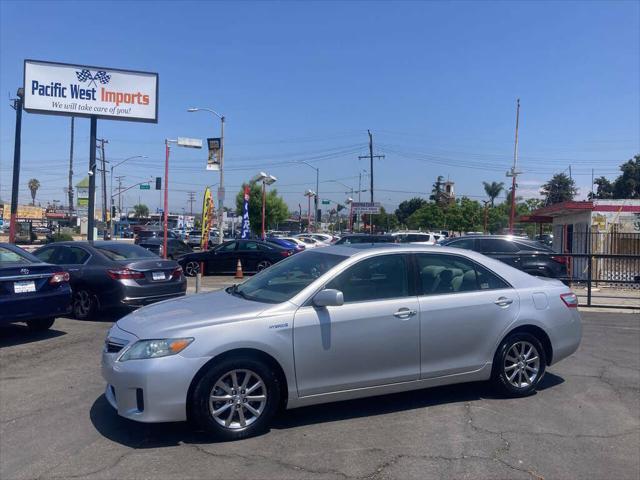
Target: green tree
<point>465,215</point>
<point>34,185</point>
<point>560,188</point>
<point>492,190</point>
<point>383,221</point>
<point>408,207</point>
<point>430,216</point>
<point>436,191</point>
<point>276,209</point>
<point>627,185</point>
<point>141,210</point>
<point>604,188</point>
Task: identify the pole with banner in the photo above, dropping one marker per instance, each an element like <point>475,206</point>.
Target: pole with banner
<point>245,212</point>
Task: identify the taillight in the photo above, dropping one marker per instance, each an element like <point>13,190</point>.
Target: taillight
<point>124,274</point>
<point>560,259</point>
<point>177,273</point>
<point>286,253</point>
<point>59,277</point>
<point>570,299</point>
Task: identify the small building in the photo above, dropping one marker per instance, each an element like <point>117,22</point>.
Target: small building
<point>595,227</point>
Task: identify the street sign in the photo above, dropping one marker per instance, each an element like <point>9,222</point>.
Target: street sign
<point>326,202</point>
<point>145,186</point>
<point>366,208</point>
<point>190,142</point>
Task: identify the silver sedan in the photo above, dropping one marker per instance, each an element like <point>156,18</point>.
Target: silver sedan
<point>333,324</point>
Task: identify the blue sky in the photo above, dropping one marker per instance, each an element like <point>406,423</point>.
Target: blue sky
<point>435,82</point>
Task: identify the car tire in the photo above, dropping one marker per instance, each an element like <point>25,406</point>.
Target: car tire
<point>41,324</point>
<point>518,365</point>
<point>191,268</point>
<point>84,304</point>
<point>223,418</point>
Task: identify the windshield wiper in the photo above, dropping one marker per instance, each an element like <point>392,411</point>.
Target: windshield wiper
<point>234,291</point>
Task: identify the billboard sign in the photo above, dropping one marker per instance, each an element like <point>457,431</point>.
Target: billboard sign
<point>81,90</point>
<point>369,208</point>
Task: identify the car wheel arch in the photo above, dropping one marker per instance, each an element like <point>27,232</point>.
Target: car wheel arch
<point>537,332</point>
<point>251,353</point>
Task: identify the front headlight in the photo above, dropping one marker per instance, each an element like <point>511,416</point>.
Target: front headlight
<point>155,348</point>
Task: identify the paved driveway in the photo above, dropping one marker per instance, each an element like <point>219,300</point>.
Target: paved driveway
<point>584,423</point>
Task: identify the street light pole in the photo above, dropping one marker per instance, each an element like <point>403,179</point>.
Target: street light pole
<point>221,191</point>
<point>111,187</point>
<point>317,193</point>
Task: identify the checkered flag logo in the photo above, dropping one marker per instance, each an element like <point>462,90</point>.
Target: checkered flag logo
<point>85,75</point>
<point>102,77</point>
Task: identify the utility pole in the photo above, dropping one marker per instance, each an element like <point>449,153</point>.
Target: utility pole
<point>371,156</point>
<point>514,173</point>
<point>17,106</point>
<point>104,188</point>
<point>70,187</point>
<point>191,199</point>
<point>120,178</point>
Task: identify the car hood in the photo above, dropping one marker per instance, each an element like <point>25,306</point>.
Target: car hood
<point>169,318</point>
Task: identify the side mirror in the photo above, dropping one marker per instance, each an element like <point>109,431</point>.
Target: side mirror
<point>328,297</point>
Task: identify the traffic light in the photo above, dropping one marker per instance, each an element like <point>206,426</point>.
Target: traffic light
<point>158,183</point>
<point>113,211</point>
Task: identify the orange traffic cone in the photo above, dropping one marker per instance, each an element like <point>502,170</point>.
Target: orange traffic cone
<point>239,273</point>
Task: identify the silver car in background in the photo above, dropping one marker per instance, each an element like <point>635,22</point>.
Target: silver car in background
<point>337,323</point>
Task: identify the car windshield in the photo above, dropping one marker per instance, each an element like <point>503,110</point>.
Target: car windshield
<point>124,252</point>
<point>287,278</point>
<point>9,257</point>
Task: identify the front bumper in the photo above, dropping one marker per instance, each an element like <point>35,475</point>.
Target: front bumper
<point>151,390</point>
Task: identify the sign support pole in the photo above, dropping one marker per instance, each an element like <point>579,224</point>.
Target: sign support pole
<point>17,104</point>
<point>166,199</point>
<point>92,178</point>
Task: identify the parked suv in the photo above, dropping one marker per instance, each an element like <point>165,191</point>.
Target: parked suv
<point>529,256</point>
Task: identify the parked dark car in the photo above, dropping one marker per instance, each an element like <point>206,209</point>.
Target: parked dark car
<point>31,291</point>
<point>108,275</point>
<point>176,248</point>
<point>255,255</point>
<point>365,238</point>
<point>527,255</point>
<point>143,235</point>
<point>285,243</point>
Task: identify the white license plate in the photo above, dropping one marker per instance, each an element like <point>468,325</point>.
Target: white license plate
<point>158,275</point>
<point>24,287</point>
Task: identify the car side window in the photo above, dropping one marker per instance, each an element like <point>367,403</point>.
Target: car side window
<point>496,245</point>
<point>466,243</point>
<point>47,255</point>
<point>251,246</point>
<point>265,248</point>
<point>441,274</point>
<point>375,278</point>
<point>230,247</point>
<point>73,256</point>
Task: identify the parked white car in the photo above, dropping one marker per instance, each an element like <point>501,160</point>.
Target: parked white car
<point>416,237</point>
<point>320,237</point>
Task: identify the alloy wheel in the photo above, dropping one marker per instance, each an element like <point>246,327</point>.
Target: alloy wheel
<point>82,303</point>
<point>522,364</point>
<point>263,264</point>
<point>237,399</point>
<point>192,269</point>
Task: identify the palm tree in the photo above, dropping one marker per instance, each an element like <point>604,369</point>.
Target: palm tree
<point>141,210</point>
<point>34,185</point>
<point>492,190</point>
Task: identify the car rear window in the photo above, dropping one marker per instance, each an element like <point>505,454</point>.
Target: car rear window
<point>9,257</point>
<point>124,252</point>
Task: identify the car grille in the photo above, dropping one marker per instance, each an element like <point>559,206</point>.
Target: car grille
<point>114,345</point>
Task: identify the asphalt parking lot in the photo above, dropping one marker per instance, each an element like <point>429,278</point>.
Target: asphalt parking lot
<point>584,423</point>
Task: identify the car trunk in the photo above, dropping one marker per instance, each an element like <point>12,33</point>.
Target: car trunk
<point>25,279</point>
<point>154,270</point>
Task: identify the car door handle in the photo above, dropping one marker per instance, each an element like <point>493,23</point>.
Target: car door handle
<point>404,313</point>
<point>503,302</point>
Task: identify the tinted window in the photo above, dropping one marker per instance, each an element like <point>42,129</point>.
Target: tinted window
<point>253,246</point>
<point>73,255</point>
<point>466,243</point>
<point>124,252</point>
<point>46,255</point>
<point>266,248</point>
<point>229,247</point>
<point>441,274</point>
<point>496,245</point>
<point>374,278</point>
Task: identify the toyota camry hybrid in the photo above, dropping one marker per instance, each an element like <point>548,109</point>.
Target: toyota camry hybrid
<point>337,323</point>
